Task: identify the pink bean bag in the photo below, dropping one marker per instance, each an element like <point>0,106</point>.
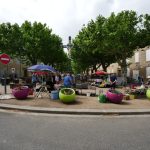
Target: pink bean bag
<point>20,92</point>
<point>114,96</point>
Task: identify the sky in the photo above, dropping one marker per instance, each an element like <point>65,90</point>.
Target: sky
<point>65,17</point>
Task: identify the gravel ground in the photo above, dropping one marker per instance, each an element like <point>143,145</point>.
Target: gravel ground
<point>82,102</point>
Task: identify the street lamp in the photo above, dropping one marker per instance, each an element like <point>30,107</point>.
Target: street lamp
<point>20,62</point>
<point>68,46</point>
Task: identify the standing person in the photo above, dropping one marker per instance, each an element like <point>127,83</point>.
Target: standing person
<point>50,84</point>
<point>113,80</point>
<point>53,79</point>
<point>56,79</point>
<point>139,80</point>
<point>73,79</point>
<point>142,80</point>
<point>34,79</point>
<point>68,81</point>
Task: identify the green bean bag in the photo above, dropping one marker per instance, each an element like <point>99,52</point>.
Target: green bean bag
<point>67,95</point>
<point>102,98</point>
<point>148,93</point>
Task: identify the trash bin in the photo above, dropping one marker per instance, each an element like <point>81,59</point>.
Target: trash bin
<point>54,95</point>
<point>3,81</point>
<point>12,85</point>
<point>7,81</point>
<point>16,81</point>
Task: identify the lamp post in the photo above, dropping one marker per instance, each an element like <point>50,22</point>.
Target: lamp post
<point>19,63</point>
<point>68,46</point>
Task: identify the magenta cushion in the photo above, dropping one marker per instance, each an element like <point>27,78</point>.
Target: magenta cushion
<point>114,97</point>
<point>20,92</point>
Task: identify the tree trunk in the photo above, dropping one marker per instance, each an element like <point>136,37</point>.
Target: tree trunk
<point>87,71</point>
<point>34,62</point>
<point>105,67</point>
<point>94,68</point>
<point>124,71</point>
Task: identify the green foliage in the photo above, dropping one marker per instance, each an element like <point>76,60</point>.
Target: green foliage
<point>112,39</point>
<point>10,38</point>
<point>90,46</point>
<point>32,43</point>
<point>41,45</point>
<point>144,32</point>
<point>101,42</point>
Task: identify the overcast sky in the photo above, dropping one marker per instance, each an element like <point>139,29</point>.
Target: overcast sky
<point>65,17</point>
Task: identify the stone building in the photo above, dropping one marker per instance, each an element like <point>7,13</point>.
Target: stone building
<point>114,68</point>
<point>13,66</point>
<point>140,63</point>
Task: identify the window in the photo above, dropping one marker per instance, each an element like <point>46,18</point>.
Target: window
<point>128,72</point>
<point>147,71</point>
<point>148,55</point>
<point>136,57</point>
<point>135,74</point>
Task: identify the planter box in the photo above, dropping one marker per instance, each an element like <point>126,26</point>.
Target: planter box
<point>141,96</point>
<point>126,97</point>
<point>132,97</point>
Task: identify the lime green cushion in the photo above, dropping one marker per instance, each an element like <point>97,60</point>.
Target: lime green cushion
<point>67,95</point>
<point>148,93</point>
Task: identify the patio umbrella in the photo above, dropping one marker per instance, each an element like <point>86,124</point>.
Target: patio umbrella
<point>41,68</point>
<point>41,73</point>
<point>99,72</point>
<point>148,77</point>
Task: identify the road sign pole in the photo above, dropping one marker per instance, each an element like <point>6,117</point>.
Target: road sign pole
<point>5,59</point>
<point>5,88</point>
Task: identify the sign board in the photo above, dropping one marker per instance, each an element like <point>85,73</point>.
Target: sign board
<point>4,59</point>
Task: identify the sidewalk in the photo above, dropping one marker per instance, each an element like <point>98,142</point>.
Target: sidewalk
<point>83,105</point>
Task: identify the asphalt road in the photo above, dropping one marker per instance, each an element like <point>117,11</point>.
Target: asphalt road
<point>21,131</point>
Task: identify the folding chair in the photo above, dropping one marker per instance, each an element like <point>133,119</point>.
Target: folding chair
<point>43,92</point>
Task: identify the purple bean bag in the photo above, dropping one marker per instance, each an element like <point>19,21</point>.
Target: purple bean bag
<point>20,92</point>
<point>114,96</point>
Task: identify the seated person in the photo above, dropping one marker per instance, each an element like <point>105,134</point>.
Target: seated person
<point>113,80</point>
<point>50,85</point>
<point>147,84</point>
<point>37,87</point>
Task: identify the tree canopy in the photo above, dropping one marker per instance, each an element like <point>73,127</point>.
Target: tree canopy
<point>99,43</point>
<point>33,43</point>
<point>112,39</point>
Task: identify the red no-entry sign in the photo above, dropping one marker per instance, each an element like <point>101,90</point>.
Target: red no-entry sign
<point>4,58</point>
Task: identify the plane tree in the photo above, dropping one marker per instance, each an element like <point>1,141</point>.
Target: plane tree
<point>10,39</point>
<point>32,43</point>
<point>41,45</point>
<point>90,48</point>
<point>122,32</point>
<point>143,36</point>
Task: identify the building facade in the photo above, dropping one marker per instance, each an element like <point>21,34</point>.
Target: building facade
<point>140,63</point>
<point>14,66</point>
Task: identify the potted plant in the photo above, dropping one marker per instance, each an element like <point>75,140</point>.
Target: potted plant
<point>136,93</point>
